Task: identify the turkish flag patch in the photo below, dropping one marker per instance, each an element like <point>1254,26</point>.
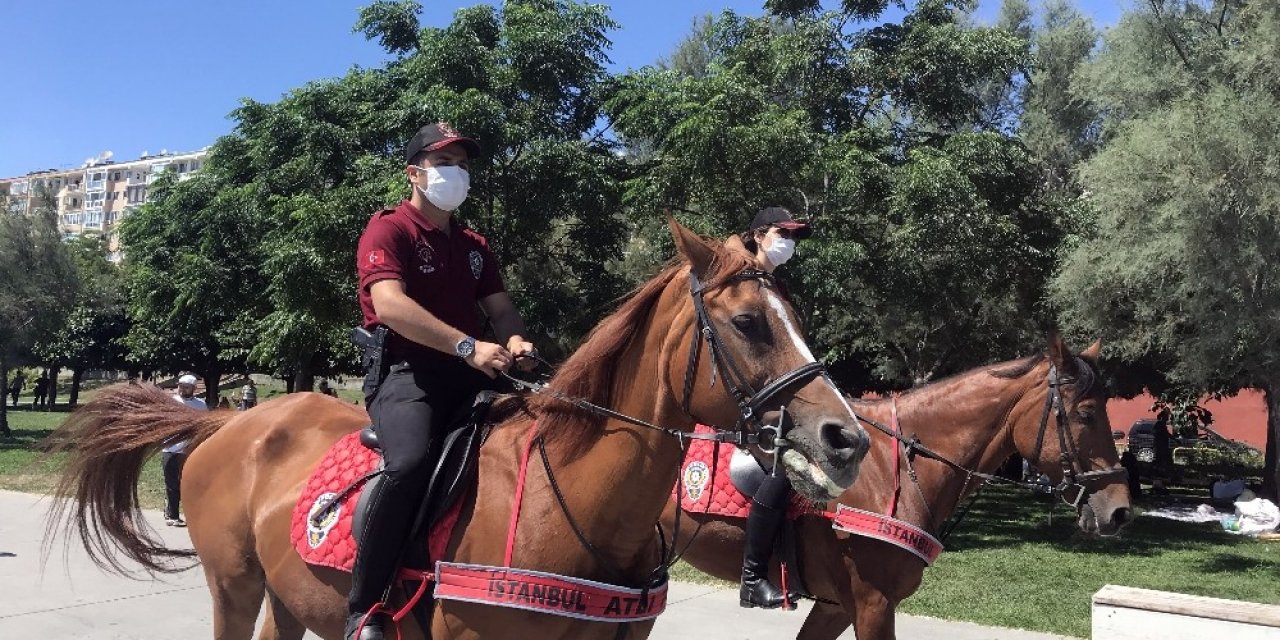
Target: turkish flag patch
<point>376,257</point>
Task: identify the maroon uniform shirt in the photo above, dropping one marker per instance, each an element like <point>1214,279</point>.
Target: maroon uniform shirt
<point>446,274</point>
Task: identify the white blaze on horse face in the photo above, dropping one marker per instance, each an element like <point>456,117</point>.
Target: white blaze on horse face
<point>781,310</point>
<point>776,303</point>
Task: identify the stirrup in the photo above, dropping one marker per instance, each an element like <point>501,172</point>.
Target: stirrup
<point>367,626</point>
<point>760,593</point>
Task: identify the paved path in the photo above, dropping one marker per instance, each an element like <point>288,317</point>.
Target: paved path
<point>71,598</point>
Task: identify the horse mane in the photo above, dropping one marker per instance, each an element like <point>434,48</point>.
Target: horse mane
<point>589,373</point>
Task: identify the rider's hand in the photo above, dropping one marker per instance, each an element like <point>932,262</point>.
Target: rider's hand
<point>490,358</point>
<point>518,346</point>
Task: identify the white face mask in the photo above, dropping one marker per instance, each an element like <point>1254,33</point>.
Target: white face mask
<point>446,187</point>
<point>780,251</point>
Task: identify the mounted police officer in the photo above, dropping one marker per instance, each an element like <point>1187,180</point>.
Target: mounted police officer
<point>422,274</point>
<point>772,238</point>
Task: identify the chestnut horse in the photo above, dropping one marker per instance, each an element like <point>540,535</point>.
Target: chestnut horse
<point>246,473</point>
<point>977,420</point>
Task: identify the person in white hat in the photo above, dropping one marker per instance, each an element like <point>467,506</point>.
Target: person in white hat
<point>174,455</point>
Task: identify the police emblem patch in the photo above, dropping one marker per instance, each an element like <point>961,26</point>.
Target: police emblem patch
<point>425,256</point>
<point>318,523</point>
<point>477,263</point>
<point>696,475</point>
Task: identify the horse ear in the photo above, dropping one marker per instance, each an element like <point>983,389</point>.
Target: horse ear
<point>694,249</point>
<point>1059,354</point>
<point>1093,353</point>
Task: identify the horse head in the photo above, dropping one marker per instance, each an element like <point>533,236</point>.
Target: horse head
<point>743,360</point>
<point>1063,429</point>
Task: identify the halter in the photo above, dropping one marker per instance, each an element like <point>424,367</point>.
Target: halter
<point>750,401</point>
<point>1075,475</point>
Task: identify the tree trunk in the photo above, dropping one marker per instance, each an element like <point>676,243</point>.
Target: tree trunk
<point>212,379</point>
<point>4,400</point>
<point>304,377</point>
<point>77,374</point>
<point>1271,470</point>
<point>53,388</point>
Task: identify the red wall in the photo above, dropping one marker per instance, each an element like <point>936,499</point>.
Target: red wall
<point>1242,417</point>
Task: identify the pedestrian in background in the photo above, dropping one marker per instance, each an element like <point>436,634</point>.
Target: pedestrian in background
<point>174,455</point>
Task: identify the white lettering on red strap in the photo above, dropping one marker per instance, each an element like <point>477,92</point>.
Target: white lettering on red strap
<point>881,527</point>
<point>547,593</point>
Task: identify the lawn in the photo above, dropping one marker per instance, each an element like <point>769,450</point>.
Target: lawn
<point>25,467</point>
<point>1006,565</point>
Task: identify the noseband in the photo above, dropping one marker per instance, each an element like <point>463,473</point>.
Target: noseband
<point>1075,475</point>
<point>750,401</point>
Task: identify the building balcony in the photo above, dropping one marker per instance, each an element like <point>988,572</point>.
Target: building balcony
<point>93,226</point>
<point>137,178</point>
<point>96,185</point>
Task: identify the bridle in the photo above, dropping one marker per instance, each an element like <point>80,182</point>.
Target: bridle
<point>1075,474</point>
<point>1076,478</point>
<point>750,401</point>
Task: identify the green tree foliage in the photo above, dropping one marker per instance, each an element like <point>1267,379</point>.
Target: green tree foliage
<point>1182,268</point>
<point>934,237</point>
<point>266,235</point>
<point>90,335</point>
<point>37,279</point>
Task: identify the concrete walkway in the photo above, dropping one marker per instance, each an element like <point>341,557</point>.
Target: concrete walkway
<point>71,598</point>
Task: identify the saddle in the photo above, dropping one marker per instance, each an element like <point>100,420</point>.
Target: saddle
<point>455,456</point>
<point>335,501</point>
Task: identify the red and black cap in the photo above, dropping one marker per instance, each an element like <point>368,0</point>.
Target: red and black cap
<point>435,136</point>
<point>781,218</point>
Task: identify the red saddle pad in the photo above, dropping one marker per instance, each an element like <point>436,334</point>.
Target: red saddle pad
<point>705,485</point>
<point>327,541</point>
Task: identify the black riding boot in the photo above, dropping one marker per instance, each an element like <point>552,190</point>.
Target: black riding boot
<point>377,554</point>
<point>768,508</point>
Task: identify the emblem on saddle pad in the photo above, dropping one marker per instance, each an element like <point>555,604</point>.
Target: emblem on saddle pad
<point>319,524</point>
<point>696,476</point>
<point>477,263</point>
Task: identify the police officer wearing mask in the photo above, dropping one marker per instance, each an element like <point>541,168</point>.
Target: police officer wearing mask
<point>422,275</point>
<point>772,238</point>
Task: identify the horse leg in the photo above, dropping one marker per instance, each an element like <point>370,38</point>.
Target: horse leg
<point>874,613</point>
<point>237,598</point>
<point>280,623</point>
<point>825,622</point>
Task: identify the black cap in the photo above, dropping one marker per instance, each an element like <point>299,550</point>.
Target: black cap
<point>779,217</point>
<point>435,136</point>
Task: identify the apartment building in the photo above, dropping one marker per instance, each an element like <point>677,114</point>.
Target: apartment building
<point>96,196</point>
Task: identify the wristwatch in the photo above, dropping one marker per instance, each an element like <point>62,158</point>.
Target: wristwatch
<point>465,347</point>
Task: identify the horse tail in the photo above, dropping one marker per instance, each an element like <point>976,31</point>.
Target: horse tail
<point>107,441</point>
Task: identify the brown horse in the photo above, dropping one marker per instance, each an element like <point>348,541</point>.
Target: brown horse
<point>242,480</point>
<point>977,420</point>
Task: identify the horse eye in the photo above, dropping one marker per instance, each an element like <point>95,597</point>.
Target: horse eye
<point>1086,415</point>
<point>743,322</point>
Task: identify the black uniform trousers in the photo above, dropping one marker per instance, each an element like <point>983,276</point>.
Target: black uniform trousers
<point>409,411</point>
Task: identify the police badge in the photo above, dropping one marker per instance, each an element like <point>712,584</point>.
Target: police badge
<point>477,263</point>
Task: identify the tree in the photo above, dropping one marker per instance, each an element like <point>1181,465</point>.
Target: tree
<point>935,236</point>
<point>191,265</point>
<point>1181,268</point>
<point>36,275</point>
<point>1058,124</point>
<point>267,233</point>
<point>90,334</point>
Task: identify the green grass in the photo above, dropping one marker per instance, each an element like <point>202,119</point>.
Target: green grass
<point>24,466</point>
<point>1008,566</point>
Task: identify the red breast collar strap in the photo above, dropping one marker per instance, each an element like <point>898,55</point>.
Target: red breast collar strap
<point>547,593</point>
<point>881,527</point>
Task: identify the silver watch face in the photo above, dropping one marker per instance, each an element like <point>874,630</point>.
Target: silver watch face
<point>466,347</point>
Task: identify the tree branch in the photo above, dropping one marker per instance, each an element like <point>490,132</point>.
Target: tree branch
<point>1155,8</point>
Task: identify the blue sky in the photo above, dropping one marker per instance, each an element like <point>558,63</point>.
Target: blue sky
<point>135,75</point>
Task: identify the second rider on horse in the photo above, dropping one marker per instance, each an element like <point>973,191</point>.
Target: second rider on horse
<point>422,273</point>
<point>772,239</point>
